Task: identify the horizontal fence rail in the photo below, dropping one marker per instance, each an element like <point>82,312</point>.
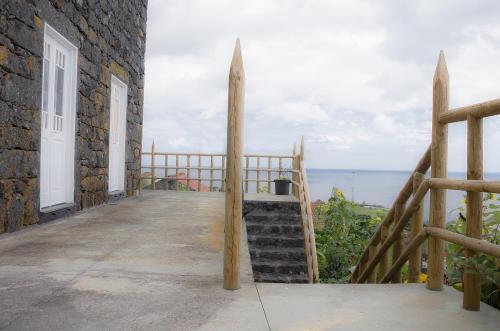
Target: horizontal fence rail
<point>374,265</point>
<point>207,171</point>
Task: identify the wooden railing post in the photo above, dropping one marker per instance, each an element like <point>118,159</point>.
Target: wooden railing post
<point>258,175</point>
<point>188,171</point>
<point>211,173</point>
<point>269,174</point>
<point>295,168</point>
<point>177,172</point>
<point>472,281</point>
<point>384,264</point>
<point>372,279</point>
<point>397,247</point>
<point>223,174</point>
<point>247,165</point>
<point>439,155</point>
<point>165,174</point>
<point>234,194</point>
<point>153,169</point>
<point>417,224</point>
<point>199,172</point>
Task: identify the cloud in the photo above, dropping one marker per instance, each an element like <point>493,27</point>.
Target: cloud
<point>353,77</point>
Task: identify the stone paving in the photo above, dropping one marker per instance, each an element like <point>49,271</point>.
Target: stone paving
<point>154,262</point>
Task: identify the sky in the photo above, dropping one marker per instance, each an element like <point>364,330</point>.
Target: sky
<point>353,77</point>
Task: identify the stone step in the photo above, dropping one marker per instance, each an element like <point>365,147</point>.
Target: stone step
<point>254,229</point>
<point>283,254</point>
<point>261,241</point>
<point>259,217</point>
<point>275,278</point>
<point>279,267</point>
<point>271,206</point>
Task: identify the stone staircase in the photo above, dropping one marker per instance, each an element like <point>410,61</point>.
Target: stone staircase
<point>276,241</point>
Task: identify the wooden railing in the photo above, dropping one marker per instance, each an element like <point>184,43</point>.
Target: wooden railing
<point>300,189</point>
<point>388,236</point>
<point>207,171</point>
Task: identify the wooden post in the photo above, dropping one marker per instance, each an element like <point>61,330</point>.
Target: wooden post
<point>439,157</point>
<point>258,175</point>
<point>165,174</point>
<point>188,171</point>
<point>211,173</point>
<point>280,166</point>
<point>247,165</point>
<point>372,279</point>
<point>269,174</point>
<point>417,224</point>
<point>177,172</point>
<point>295,177</point>
<point>153,170</point>
<point>199,172</point>
<point>384,264</point>
<point>234,194</point>
<point>397,248</point>
<point>223,174</point>
<point>472,281</point>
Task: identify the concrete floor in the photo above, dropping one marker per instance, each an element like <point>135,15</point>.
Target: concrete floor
<point>154,263</point>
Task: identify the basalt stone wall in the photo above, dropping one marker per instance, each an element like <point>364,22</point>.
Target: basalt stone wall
<point>110,36</point>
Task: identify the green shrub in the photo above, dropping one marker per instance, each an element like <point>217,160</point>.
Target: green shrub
<point>486,266</point>
<point>342,234</point>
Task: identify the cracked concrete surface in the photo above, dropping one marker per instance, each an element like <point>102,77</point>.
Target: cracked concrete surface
<point>154,262</point>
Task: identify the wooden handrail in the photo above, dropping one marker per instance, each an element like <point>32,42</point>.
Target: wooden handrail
<point>300,189</point>
<point>403,196</point>
<point>377,249</point>
<point>398,264</point>
<point>396,232</point>
<point>478,110</point>
<point>474,244</point>
<point>465,185</point>
<point>199,168</point>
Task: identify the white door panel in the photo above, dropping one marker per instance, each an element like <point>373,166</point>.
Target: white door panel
<point>57,120</point>
<point>117,135</point>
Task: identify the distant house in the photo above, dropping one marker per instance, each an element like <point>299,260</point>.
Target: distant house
<point>171,183</point>
<point>71,104</point>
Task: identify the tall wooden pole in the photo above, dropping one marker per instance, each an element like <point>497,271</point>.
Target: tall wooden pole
<point>472,281</point>
<point>417,224</point>
<point>234,189</point>
<point>439,157</point>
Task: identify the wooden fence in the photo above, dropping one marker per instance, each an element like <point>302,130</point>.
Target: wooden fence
<point>374,265</point>
<point>300,189</point>
<point>207,171</point>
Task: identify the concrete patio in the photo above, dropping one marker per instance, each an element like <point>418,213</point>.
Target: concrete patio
<point>155,262</point>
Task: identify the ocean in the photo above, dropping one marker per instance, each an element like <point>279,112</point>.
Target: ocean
<point>376,187</point>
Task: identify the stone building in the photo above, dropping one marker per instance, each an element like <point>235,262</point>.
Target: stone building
<point>71,102</point>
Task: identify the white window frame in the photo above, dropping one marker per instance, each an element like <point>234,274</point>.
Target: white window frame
<point>70,114</point>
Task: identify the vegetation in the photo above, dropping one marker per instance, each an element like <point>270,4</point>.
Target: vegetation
<point>262,189</point>
<point>486,266</point>
<point>342,229</point>
<point>283,178</point>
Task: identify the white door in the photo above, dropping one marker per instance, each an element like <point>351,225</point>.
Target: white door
<point>58,120</point>
<point>117,135</point>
